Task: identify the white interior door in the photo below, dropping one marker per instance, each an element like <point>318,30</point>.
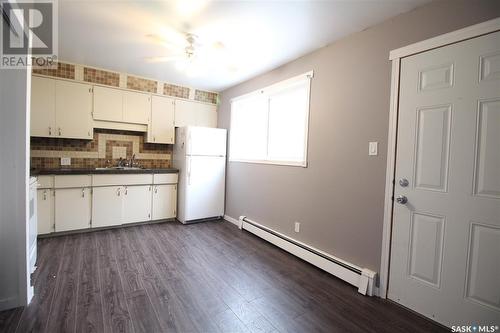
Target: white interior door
<point>446,238</point>
<point>204,188</point>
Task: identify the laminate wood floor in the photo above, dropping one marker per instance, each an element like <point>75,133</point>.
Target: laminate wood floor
<point>207,277</point>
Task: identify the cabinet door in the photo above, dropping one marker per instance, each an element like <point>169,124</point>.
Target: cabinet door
<point>107,206</point>
<point>45,211</point>
<point>136,204</point>
<point>164,201</point>
<point>185,113</point>
<point>74,110</point>
<point>43,106</point>
<point>136,107</point>
<point>72,209</point>
<point>206,115</point>
<point>161,128</point>
<point>108,104</point>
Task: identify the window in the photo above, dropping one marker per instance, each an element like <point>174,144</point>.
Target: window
<point>271,125</point>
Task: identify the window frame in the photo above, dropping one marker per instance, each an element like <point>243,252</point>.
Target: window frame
<point>267,93</point>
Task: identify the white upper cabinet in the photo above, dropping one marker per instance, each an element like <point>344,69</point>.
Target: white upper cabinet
<point>108,104</point>
<point>74,110</point>
<point>189,113</point>
<point>61,109</point>
<point>207,116</point>
<point>185,113</point>
<point>118,105</point>
<point>161,127</point>
<point>136,107</point>
<point>43,105</point>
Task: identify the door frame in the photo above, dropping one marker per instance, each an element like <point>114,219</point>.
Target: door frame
<point>395,56</point>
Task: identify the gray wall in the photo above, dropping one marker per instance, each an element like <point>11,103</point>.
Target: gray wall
<point>339,198</point>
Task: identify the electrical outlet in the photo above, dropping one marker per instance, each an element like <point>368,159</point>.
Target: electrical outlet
<point>65,161</point>
<point>297,226</point>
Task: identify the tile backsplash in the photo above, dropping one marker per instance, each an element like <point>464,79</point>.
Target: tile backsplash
<point>105,149</point>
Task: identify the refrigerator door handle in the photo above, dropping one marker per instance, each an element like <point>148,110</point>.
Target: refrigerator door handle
<point>189,171</point>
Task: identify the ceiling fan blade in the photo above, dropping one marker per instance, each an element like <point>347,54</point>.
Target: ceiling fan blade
<point>163,59</point>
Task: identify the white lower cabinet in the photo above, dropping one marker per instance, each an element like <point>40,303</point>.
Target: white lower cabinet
<point>72,209</point>
<point>45,211</point>
<point>164,201</point>
<point>136,204</point>
<point>107,206</point>
<point>82,201</point>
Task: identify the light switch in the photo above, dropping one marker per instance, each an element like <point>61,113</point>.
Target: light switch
<point>65,161</point>
<point>373,149</point>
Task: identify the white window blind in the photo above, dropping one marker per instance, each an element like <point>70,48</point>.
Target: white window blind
<point>271,125</point>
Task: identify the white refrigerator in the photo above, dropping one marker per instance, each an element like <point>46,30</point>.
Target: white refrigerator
<point>200,156</point>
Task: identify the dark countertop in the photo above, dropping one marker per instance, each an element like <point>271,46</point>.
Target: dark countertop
<point>76,171</point>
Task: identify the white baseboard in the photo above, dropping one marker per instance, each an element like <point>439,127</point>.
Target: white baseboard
<point>363,279</point>
<point>9,303</point>
<point>232,220</point>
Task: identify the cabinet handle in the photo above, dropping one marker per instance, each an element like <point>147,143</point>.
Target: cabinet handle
<point>50,130</point>
<point>83,193</point>
<point>118,192</point>
<point>150,189</point>
<point>126,190</point>
<point>45,195</point>
<point>156,189</point>
<point>60,131</point>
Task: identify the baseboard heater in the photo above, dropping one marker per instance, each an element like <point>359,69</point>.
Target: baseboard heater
<point>362,278</point>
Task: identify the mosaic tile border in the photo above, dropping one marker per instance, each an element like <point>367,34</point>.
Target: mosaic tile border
<point>123,80</point>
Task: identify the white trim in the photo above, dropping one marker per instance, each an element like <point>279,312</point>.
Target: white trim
<point>267,93</point>
<point>365,282</point>
<point>389,176</point>
<point>446,39</point>
<point>396,55</point>
<point>269,89</point>
<point>232,220</point>
<point>302,164</point>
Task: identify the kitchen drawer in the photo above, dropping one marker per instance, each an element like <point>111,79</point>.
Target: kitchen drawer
<point>118,180</point>
<point>165,178</point>
<point>72,181</point>
<point>45,182</point>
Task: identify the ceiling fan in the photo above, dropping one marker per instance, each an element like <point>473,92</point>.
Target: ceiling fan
<point>189,53</point>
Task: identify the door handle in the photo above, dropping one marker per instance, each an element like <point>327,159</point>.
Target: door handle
<point>401,199</point>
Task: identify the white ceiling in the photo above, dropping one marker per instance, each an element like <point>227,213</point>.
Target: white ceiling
<point>257,35</point>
